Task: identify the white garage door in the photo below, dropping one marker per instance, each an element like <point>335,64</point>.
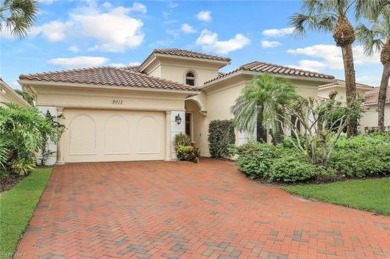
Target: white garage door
<point>104,135</point>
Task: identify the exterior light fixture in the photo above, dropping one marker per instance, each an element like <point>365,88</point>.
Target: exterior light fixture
<point>48,114</point>
<point>178,119</point>
<point>2,91</point>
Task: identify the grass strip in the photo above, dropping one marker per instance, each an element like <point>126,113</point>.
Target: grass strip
<point>16,208</point>
<point>368,194</point>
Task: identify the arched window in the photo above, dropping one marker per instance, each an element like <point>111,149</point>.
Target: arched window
<point>190,78</point>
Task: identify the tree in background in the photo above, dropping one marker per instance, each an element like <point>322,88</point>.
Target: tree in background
<point>18,16</point>
<point>331,16</point>
<point>376,38</point>
<point>262,100</point>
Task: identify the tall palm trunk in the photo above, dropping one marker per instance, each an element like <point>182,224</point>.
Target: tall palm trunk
<point>385,60</point>
<point>350,85</point>
<point>344,36</point>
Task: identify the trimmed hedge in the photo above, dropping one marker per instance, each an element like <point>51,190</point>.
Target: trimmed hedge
<point>221,136</point>
<point>361,156</point>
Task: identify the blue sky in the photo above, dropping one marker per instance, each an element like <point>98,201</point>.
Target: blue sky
<point>83,33</point>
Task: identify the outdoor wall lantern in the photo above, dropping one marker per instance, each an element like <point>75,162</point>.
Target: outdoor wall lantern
<point>2,91</point>
<point>178,119</point>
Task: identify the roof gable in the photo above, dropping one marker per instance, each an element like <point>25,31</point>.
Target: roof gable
<point>183,54</point>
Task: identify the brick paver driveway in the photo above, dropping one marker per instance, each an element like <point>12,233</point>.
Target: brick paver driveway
<point>162,209</point>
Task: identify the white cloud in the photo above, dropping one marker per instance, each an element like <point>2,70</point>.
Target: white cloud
<point>270,44</point>
<point>361,58</point>
<point>77,62</point>
<point>209,41</point>
<point>135,63</point>
<point>278,32</point>
<point>106,5</point>
<point>115,31</point>
<point>125,65</point>
<point>186,28</point>
<point>48,2</point>
<point>55,30</point>
<point>330,56</point>
<point>310,65</point>
<point>138,7</point>
<point>74,49</point>
<point>204,16</point>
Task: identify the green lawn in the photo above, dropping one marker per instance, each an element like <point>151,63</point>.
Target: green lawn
<point>16,208</point>
<point>370,194</point>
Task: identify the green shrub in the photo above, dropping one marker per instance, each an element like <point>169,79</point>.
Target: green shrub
<point>188,153</point>
<point>291,168</point>
<point>181,139</point>
<point>254,158</point>
<point>362,161</point>
<point>23,132</point>
<point>221,136</point>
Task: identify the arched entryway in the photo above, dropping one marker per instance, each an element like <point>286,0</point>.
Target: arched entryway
<point>196,124</point>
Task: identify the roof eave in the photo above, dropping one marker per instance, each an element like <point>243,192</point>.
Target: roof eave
<point>26,82</point>
<point>154,56</point>
<point>254,73</point>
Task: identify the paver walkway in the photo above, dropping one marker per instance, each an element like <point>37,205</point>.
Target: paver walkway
<point>205,210</point>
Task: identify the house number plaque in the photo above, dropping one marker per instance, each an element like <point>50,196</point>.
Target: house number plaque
<point>117,102</point>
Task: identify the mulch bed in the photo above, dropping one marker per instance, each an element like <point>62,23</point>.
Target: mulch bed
<point>7,182</point>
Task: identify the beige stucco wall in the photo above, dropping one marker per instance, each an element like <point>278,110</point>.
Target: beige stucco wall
<point>108,98</point>
<point>222,96</point>
<point>176,70</point>
<point>370,117</point>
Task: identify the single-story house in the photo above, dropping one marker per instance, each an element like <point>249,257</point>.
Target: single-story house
<point>369,120</point>
<point>133,113</point>
<point>7,94</point>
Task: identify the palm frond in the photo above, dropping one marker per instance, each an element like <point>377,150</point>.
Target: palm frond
<point>18,15</point>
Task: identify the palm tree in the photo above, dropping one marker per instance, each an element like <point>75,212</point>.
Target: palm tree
<point>375,39</point>
<point>18,16</point>
<point>262,100</point>
<point>331,16</point>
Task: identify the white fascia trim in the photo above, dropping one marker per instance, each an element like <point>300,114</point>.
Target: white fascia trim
<point>11,91</point>
<point>86,86</point>
<point>146,63</point>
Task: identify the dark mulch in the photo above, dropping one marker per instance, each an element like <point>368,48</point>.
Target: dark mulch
<point>9,181</point>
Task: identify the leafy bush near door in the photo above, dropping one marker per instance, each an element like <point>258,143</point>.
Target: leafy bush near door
<point>185,149</point>
<point>221,137</point>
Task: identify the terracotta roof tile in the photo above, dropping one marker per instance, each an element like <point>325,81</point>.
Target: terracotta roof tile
<point>110,76</point>
<point>263,67</point>
<point>341,83</point>
<point>190,54</point>
<point>282,70</point>
<point>372,96</point>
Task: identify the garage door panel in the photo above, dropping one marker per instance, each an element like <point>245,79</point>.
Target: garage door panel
<point>102,135</point>
<point>148,136</point>
<point>116,136</point>
<point>81,143</point>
